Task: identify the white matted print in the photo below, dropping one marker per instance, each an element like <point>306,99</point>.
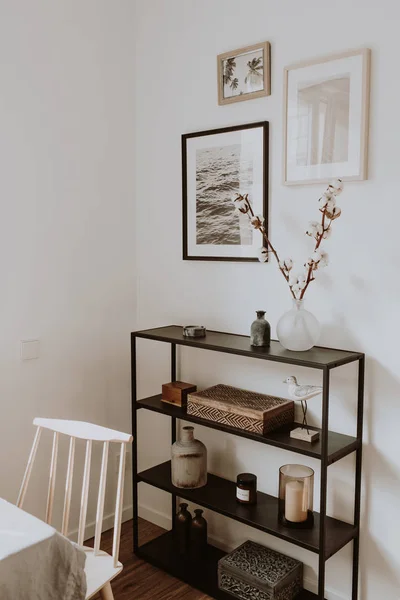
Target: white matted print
<point>217,165</point>
<point>326,119</point>
<point>244,74</point>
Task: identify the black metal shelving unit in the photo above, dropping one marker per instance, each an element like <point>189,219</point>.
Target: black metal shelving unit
<point>328,535</point>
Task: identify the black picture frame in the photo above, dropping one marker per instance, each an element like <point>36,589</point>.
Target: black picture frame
<point>265,184</point>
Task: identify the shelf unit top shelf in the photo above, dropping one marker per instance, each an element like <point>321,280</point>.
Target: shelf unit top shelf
<point>339,445</point>
<point>316,358</point>
<point>219,495</point>
<point>201,574</point>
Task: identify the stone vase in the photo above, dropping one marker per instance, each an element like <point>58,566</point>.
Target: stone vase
<point>182,529</point>
<point>260,331</point>
<point>199,534</point>
<point>189,461</point>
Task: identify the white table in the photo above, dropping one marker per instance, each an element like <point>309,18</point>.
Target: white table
<point>37,562</point>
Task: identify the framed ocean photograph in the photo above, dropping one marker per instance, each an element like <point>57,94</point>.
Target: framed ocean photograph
<point>244,74</point>
<point>216,166</point>
<point>326,118</point>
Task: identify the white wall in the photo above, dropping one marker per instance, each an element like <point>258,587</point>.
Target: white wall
<point>66,239</point>
<point>356,299</point>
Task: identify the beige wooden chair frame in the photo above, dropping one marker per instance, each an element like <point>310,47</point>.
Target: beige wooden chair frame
<point>100,567</point>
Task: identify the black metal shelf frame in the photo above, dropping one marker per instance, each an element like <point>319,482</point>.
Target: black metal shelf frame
<point>324,359</point>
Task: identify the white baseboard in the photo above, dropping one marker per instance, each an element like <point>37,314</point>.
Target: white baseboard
<point>163,520</point>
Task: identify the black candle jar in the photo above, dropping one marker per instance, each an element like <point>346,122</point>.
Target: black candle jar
<point>246,488</point>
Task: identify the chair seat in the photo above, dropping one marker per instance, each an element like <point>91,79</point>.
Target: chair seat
<point>99,570</point>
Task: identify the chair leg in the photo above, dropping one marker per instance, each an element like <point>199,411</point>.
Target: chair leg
<point>106,592</point>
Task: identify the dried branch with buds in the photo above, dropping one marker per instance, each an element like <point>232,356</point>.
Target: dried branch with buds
<point>298,284</point>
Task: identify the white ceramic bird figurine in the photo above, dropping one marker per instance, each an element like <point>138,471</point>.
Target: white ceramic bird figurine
<point>302,393</point>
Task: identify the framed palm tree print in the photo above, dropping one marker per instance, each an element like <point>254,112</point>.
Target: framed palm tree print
<point>244,74</point>
<point>218,166</point>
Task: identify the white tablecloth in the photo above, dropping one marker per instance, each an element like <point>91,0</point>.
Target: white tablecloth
<point>37,562</point>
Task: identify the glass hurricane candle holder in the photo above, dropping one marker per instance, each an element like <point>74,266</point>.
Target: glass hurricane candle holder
<point>296,494</point>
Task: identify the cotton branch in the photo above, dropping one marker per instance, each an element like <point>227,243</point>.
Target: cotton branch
<point>298,284</point>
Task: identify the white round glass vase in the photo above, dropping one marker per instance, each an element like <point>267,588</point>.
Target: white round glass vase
<point>298,329</point>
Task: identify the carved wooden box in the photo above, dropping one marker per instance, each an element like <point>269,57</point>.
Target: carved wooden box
<point>240,408</point>
<point>254,572</point>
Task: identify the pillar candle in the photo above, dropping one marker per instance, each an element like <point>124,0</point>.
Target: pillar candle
<point>295,511</point>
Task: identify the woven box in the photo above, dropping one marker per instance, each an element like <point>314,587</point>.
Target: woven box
<point>253,572</point>
<point>240,408</point>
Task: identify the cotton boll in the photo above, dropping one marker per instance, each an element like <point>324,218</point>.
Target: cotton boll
<point>324,260</point>
<point>262,255</point>
<point>326,196</point>
<point>312,228</point>
<point>316,256</point>
<point>288,263</point>
<point>330,205</point>
<point>257,222</point>
<point>241,203</point>
<point>336,187</point>
<point>293,279</point>
<point>327,233</point>
<point>334,214</point>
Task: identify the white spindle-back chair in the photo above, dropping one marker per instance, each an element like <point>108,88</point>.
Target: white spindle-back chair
<point>100,568</point>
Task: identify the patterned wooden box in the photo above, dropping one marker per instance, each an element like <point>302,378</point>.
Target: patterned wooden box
<point>254,572</point>
<point>240,408</point>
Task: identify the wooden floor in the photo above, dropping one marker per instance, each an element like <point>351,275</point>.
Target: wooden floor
<point>139,580</point>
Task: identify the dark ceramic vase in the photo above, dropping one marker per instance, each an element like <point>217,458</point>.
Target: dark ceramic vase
<point>183,524</point>
<point>199,534</point>
<point>260,333</point>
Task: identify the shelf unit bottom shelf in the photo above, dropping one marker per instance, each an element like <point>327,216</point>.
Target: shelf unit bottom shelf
<point>201,575</point>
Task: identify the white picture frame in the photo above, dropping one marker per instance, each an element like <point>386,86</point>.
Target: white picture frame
<point>326,119</point>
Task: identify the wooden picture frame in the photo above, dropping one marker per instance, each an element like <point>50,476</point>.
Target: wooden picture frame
<point>253,78</point>
<point>325,154</point>
<point>217,164</point>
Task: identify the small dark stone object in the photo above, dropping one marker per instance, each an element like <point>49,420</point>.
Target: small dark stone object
<point>260,333</point>
<point>199,534</point>
<point>183,524</point>
<point>194,331</point>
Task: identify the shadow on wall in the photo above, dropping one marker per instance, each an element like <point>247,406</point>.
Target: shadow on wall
<point>381,478</point>
<point>381,481</point>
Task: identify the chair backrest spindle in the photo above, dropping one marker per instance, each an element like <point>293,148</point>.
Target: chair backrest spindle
<point>119,505</point>
<point>101,498</point>
<point>52,478</point>
<point>28,470</point>
<point>68,486</point>
<point>85,493</point>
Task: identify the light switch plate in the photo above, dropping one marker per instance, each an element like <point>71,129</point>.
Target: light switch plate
<point>30,349</point>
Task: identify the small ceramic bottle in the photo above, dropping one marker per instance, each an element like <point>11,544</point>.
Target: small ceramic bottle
<point>260,333</point>
<point>199,534</point>
<point>189,461</point>
<point>182,529</point>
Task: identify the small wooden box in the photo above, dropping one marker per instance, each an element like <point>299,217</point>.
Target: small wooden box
<point>176,392</point>
<point>253,572</point>
<point>242,409</point>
